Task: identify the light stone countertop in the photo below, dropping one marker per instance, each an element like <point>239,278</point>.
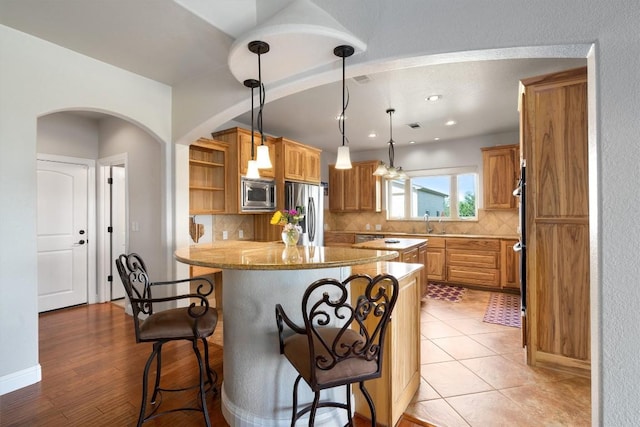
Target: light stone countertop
<point>424,235</point>
<point>248,255</point>
<point>391,244</point>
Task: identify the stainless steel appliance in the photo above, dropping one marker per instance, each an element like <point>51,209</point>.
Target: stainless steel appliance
<point>521,246</point>
<point>258,195</point>
<point>309,199</point>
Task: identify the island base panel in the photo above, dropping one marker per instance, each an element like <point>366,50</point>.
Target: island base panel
<point>258,380</point>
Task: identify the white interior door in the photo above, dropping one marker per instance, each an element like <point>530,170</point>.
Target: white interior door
<point>62,234</point>
<point>119,224</point>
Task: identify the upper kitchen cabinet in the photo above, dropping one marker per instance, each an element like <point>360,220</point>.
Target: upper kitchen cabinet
<point>208,184</point>
<point>500,176</point>
<point>555,147</point>
<point>355,189</point>
<point>298,162</point>
<point>240,142</point>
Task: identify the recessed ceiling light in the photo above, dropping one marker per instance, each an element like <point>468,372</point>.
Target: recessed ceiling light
<point>436,138</point>
<point>412,142</point>
<point>372,135</point>
<point>433,98</point>
<point>450,122</point>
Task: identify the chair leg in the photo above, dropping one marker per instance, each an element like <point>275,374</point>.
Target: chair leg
<point>145,378</point>
<point>201,367</point>
<point>314,408</point>
<point>212,376</point>
<point>158,372</point>
<point>370,402</point>
<point>348,386</point>
<point>294,416</point>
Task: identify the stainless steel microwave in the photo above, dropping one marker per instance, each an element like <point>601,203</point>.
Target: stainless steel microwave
<point>258,195</point>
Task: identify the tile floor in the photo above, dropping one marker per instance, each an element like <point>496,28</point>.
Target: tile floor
<point>474,374</point>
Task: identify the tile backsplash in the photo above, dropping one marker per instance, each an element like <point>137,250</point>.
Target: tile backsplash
<point>216,225</point>
<point>497,223</point>
<point>493,222</point>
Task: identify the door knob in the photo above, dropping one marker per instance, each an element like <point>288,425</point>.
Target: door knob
<point>81,242</point>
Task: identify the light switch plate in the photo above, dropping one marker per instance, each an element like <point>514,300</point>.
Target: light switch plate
<point>225,235</point>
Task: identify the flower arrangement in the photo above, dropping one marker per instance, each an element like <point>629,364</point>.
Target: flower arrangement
<point>288,218</point>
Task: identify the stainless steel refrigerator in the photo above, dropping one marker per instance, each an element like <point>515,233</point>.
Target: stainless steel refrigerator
<point>309,199</point>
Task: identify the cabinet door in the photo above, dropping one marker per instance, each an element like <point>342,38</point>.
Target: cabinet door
<point>351,189</point>
<point>294,162</point>
<point>500,176</point>
<point>435,264</point>
<point>312,165</point>
<point>369,186</point>
<point>336,190</point>
<point>509,268</point>
<point>244,153</point>
<point>557,220</point>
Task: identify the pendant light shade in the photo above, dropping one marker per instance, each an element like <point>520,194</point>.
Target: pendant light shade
<point>252,170</point>
<point>390,172</point>
<point>252,166</point>
<point>344,159</point>
<point>263,159</point>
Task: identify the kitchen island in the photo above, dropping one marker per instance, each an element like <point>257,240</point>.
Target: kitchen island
<point>258,381</point>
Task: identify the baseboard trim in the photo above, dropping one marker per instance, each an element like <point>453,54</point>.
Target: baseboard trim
<point>20,379</point>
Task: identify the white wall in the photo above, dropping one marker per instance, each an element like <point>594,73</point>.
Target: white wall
<point>69,135</point>
<point>144,185</point>
<point>38,78</point>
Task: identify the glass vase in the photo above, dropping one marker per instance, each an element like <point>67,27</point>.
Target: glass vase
<point>290,236</point>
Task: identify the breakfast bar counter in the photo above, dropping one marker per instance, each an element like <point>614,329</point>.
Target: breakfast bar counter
<point>258,381</point>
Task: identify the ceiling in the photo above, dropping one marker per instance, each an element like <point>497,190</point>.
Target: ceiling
<point>174,41</point>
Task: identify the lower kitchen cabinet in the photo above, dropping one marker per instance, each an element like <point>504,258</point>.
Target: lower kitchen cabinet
<point>473,261</point>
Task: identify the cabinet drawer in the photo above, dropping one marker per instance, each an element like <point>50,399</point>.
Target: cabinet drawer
<point>473,244</point>
<point>436,242</point>
<point>475,259</point>
<point>489,277</point>
<point>410,256</point>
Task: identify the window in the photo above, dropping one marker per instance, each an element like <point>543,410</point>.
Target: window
<point>433,192</point>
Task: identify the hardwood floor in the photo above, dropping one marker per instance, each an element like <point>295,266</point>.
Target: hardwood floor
<point>473,374</point>
<point>92,374</point>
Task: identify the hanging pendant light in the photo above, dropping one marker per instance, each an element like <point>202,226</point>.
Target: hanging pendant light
<point>252,166</point>
<point>344,159</point>
<point>390,172</point>
<point>263,159</point>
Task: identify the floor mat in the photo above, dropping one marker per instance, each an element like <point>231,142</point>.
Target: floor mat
<point>503,309</point>
<point>445,292</point>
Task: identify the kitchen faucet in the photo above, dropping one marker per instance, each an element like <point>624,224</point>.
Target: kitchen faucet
<point>426,221</point>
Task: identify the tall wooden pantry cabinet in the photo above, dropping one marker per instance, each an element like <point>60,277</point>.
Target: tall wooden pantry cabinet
<point>554,146</point>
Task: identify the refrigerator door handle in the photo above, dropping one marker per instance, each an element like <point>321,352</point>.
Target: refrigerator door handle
<point>312,220</point>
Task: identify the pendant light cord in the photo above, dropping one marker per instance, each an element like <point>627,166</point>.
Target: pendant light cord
<point>345,104</point>
<point>391,149</point>
<point>262,99</point>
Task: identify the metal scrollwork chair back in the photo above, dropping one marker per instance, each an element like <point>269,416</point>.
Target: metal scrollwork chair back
<point>342,339</point>
<point>194,323</point>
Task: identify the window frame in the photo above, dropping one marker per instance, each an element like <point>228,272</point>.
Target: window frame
<point>453,172</point>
